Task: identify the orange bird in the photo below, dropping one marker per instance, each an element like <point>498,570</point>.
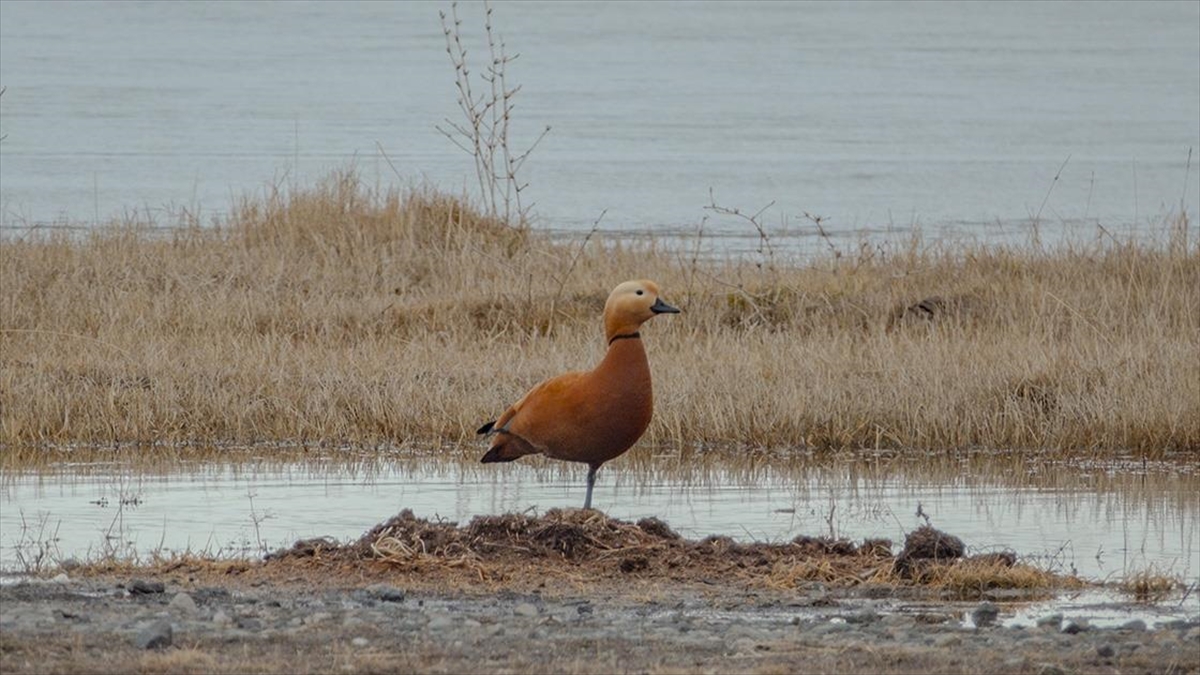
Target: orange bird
<point>591,416</point>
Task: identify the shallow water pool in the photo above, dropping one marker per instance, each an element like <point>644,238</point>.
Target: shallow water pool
<point>1101,520</point>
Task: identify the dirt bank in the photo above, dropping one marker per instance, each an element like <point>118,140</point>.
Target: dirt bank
<point>571,591</point>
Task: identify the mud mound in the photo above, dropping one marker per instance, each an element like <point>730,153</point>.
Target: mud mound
<point>929,552</point>
<point>575,541</point>
<point>927,542</point>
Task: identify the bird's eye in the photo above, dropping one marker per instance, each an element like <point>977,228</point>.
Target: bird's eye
<point>641,292</point>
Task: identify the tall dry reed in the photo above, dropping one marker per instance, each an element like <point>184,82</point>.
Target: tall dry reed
<point>348,314</point>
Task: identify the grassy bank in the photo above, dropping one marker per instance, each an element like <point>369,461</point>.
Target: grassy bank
<point>342,314</point>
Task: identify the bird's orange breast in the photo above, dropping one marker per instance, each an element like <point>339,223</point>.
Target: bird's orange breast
<point>590,416</point>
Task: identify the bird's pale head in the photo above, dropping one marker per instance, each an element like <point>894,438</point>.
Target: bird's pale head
<point>631,304</point>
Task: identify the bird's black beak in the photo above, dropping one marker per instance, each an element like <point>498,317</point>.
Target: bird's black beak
<point>660,307</point>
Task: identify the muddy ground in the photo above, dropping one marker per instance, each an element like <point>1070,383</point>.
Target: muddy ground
<point>571,591</point>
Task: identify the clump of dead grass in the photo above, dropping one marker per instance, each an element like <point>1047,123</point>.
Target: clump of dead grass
<point>502,548</point>
<point>349,313</point>
<point>1150,585</point>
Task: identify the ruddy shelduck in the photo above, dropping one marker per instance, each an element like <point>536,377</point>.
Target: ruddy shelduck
<point>591,416</point>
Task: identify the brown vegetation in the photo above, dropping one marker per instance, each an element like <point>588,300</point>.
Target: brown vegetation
<point>348,314</point>
<point>564,550</point>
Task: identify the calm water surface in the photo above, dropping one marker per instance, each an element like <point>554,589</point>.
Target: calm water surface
<point>1100,520</point>
<point>951,116</point>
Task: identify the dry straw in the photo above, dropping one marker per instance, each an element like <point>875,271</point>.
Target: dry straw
<point>345,313</point>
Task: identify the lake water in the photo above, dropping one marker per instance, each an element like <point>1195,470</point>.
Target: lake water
<point>1100,520</point>
<point>954,117</point>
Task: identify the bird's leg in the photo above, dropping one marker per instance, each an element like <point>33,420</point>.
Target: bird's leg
<point>591,481</point>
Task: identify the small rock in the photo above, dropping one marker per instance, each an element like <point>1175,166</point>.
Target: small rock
<point>141,587</point>
<point>1105,651</point>
<point>385,593</point>
<point>360,642</point>
<point>927,618</point>
<point>1050,621</point>
<point>441,622</point>
<point>249,623</point>
<point>182,602</point>
<point>1074,626</point>
<point>221,618</point>
<point>157,635</point>
<point>864,616</point>
<point>947,641</point>
<point>744,645</point>
<point>208,595</point>
<point>525,609</point>
<point>471,623</point>
<point>1130,647</point>
<point>317,618</point>
<point>829,627</point>
<point>985,614</point>
<point>1018,633</point>
<point>1134,625</point>
<point>584,609</point>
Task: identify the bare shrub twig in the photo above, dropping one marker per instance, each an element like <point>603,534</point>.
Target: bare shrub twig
<point>37,544</point>
<point>484,131</point>
<point>765,249</point>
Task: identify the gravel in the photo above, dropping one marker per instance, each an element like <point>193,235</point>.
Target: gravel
<point>510,627</point>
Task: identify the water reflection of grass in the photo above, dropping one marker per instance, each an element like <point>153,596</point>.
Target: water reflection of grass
<point>874,488</point>
<point>345,315</point>
<point>993,502</point>
<point>1046,472</point>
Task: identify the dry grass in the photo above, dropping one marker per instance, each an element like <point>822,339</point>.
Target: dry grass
<point>1151,585</point>
<point>571,550</point>
<point>349,314</point>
